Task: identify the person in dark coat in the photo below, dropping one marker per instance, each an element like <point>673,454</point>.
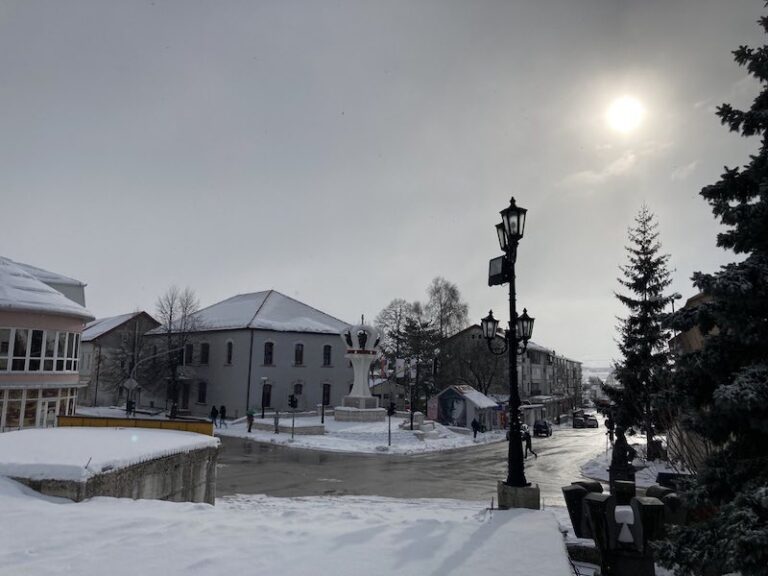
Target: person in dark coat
<point>214,415</point>
<point>223,416</point>
<point>528,445</point>
<point>475,427</point>
<point>249,416</point>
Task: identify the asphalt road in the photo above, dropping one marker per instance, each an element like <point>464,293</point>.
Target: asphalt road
<point>247,467</point>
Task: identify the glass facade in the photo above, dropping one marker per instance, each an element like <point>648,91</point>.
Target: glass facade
<point>33,407</point>
<point>27,350</point>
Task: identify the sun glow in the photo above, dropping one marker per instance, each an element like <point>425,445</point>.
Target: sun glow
<point>625,114</point>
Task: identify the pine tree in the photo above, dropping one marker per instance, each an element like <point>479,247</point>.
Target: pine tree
<point>643,339</point>
<point>722,389</point>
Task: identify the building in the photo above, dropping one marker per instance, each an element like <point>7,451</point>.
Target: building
<point>259,348</point>
<point>458,405</point>
<point>110,349</point>
<point>545,378</point>
<point>42,316</point>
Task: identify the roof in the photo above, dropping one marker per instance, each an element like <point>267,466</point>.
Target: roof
<point>475,396</point>
<point>20,290</point>
<point>101,326</point>
<point>47,276</point>
<point>268,310</point>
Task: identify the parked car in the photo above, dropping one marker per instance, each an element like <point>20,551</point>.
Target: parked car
<point>578,422</point>
<point>542,428</point>
<point>590,421</point>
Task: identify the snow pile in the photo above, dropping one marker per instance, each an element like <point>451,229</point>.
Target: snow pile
<point>358,437</point>
<point>344,536</point>
<point>79,453</point>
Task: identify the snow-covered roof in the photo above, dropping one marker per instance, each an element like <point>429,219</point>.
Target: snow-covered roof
<point>101,326</point>
<point>47,276</point>
<point>475,396</point>
<point>20,290</point>
<point>268,310</point>
<point>79,453</point>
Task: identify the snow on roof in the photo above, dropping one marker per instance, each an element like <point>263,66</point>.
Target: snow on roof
<point>268,310</point>
<point>48,276</point>
<point>475,396</point>
<point>101,326</point>
<point>20,290</point>
<point>79,453</point>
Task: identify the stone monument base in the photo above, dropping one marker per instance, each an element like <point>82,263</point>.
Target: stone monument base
<point>519,497</point>
<point>347,414</point>
<point>360,402</point>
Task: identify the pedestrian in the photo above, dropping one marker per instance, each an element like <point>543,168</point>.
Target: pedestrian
<point>475,427</point>
<point>610,425</point>
<point>223,416</point>
<point>277,421</point>
<point>249,417</point>
<point>214,415</point>
<point>528,445</point>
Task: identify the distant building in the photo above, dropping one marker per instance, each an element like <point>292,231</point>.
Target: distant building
<point>262,345</point>
<point>42,315</point>
<point>110,349</point>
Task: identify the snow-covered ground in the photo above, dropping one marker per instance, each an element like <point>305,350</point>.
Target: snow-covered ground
<point>359,437</point>
<point>79,453</point>
<point>344,536</point>
<point>645,470</point>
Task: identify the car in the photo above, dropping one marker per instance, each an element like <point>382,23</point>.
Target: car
<point>578,422</point>
<point>590,421</point>
<point>542,428</point>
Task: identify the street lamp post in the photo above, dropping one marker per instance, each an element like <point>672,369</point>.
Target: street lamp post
<point>502,271</point>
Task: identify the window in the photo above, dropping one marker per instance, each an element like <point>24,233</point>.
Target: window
<point>269,351</point>
<point>298,355</point>
<point>61,349</point>
<point>298,388</point>
<point>205,350</point>
<point>20,341</point>
<point>230,348</point>
<point>189,351</point>
<point>202,393</point>
<point>70,351</point>
<point>327,349</point>
<point>50,350</point>
<point>5,348</point>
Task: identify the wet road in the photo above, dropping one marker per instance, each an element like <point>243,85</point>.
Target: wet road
<point>247,467</point>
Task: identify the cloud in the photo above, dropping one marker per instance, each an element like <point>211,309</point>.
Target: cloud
<point>621,165</point>
<point>683,172</point>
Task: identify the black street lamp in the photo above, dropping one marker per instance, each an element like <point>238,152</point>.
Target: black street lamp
<point>510,231</point>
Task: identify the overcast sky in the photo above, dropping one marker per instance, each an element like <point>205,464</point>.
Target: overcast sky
<point>347,152</point>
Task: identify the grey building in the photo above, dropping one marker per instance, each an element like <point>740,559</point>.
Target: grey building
<point>260,346</point>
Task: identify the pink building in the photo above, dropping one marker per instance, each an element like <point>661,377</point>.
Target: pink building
<point>41,317</point>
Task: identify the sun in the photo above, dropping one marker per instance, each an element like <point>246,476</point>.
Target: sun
<point>625,114</point>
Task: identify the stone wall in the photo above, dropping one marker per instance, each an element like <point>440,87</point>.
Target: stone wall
<point>184,477</point>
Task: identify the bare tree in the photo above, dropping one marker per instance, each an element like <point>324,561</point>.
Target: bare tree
<point>445,308</point>
<point>464,360</point>
<point>391,324</point>
<point>177,313</point>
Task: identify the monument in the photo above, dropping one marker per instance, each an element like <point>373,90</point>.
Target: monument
<point>362,343</point>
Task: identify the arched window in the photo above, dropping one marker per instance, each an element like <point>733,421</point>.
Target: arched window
<point>230,351</point>
<point>298,355</point>
<point>327,350</point>
<point>269,353</point>
<point>189,351</point>
<point>298,388</point>
<point>205,352</point>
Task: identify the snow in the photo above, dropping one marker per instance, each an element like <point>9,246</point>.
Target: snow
<point>49,277</point>
<point>103,325</point>
<point>269,310</point>
<point>358,437</point>
<point>343,536</point>
<point>79,453</point>
<point>645,470</point>
<point>22,291</point>
<point>476,397</point>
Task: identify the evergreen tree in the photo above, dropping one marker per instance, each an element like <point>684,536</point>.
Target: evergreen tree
<point>643,339</point>
<point>722,388</point>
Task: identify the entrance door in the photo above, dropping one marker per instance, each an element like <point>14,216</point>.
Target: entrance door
<point>46,414</point>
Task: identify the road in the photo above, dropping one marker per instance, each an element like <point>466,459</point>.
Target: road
<point>247,467</point>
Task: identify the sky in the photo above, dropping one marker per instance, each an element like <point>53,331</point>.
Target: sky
<point>347,152</point>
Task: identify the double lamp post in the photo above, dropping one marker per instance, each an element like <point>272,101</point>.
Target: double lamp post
<point>502,271</point>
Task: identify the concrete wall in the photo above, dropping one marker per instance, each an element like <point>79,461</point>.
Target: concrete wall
<point>186,477</point>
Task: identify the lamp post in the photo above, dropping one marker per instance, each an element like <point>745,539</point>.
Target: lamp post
<point>502,271</point>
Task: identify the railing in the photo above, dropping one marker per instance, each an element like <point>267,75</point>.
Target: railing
<point>198,426</point>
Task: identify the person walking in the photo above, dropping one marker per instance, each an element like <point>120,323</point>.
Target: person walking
<point>528,445</point>
<point>249,417</point>
<point>214,415</point>
<point>277,421</point>
<point>475,427</point>
<point>223,416</point>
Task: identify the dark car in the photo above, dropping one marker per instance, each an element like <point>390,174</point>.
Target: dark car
<point>542,428</point>
<point>590,421</point>
<point>578,422</point>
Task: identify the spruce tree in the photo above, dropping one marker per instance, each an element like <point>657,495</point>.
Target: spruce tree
<point>722,388</point>
<point>643,339</point>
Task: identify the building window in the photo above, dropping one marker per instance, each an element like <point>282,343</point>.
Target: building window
<point>327,349</point>
<point>205,350</point>
<point>230,350</point>
<point>20,341</point>
<point>50,350</point>
<point>61,350</point>
<point>189,352</point>
<point>269,353</point>
<point>5,348</point>
<point>298,388</point>
<point>202,393</point>
<point>298,355</point>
